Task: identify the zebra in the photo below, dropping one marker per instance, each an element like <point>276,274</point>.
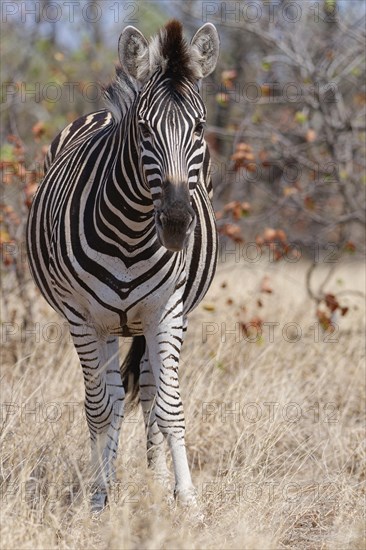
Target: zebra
<point>122,241</point>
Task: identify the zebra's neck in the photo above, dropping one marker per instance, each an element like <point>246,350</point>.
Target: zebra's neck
<point>123,205</point>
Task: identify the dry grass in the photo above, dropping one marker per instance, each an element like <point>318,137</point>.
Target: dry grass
<point>285,470</point>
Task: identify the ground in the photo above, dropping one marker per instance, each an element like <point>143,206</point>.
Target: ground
<point>275,428</point>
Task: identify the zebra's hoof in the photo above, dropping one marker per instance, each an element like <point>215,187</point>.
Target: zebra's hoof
<point>163,479</point>
<point>98,503</point>
<point>186,497</point>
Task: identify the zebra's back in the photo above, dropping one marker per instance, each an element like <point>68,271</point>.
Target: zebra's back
<point>79,129</point>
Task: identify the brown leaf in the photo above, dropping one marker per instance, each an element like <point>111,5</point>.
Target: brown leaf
<point>309,203</point>
<point>331,302</point>
<point>350,247</point>
<point>230,205</point>
<point>251,167</point>
<point>39,129</point>
<point>256,322</point>
<point>310,135</point>
<point>281,235</point>
<point>288,191</point>
<point>265,285</point>
<point>232,231</point>
<point>324,319</point>
<point>263,157</point>
<point>236,212</point>
<point>269,234</point>
<point>209,307</point>
<point>243,147</point>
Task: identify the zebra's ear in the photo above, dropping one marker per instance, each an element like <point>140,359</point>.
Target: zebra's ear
<point>205,46</point>
<point>133,52</point>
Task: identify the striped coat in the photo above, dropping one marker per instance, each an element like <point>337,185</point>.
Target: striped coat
<point>122,240</point>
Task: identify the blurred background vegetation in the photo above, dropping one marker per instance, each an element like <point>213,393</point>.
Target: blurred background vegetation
<point>286,115</point>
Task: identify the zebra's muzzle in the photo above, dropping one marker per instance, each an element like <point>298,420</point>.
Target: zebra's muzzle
<point>174,226</point>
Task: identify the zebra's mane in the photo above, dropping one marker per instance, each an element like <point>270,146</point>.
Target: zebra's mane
<point>120,93</point>
<point>168,51</point>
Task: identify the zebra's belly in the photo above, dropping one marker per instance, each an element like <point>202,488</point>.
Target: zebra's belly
<point>125,319</point>
<point>127,331</point>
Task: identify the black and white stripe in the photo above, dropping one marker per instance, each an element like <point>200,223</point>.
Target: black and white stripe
<point>122,239</point>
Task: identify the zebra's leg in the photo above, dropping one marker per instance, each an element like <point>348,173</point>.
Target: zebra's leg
<point>164,340</point>
<point>104,400</point>
<point>155,440</point>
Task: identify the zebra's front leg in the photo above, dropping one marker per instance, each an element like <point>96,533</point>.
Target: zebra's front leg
<point>154,438</point>
<point>164,340</point>
<point>104,400</point>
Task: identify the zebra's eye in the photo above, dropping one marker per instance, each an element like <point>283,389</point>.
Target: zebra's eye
<point>145,130</point>
<point>198,130</point>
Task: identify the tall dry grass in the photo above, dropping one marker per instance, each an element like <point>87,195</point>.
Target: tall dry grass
<point>275,430</point>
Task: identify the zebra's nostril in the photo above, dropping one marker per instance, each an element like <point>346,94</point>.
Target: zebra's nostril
<point>162,219</point>
<point>175,224</point>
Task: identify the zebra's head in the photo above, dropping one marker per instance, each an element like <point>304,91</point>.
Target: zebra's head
<point>169,121</point>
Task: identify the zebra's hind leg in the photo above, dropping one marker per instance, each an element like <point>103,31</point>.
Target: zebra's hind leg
<point>155,440</point>
<point>104,401</point>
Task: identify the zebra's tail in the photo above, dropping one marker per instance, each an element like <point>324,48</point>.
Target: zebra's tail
<point>130,368</point>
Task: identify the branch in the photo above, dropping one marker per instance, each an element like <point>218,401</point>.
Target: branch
<point>308,276</point>
<point>359,37</point>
